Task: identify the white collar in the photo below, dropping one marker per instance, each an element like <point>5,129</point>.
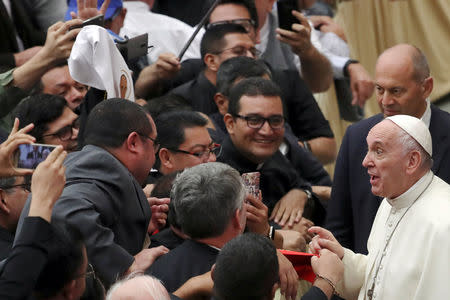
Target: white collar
<point>264,35</point>
<point>410,196</point>
<point>136,6</point>
<point>426,118</point>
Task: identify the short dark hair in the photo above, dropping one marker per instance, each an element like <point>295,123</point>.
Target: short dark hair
<point>166,103</point>
<point>205,198</point>
<point>239,67</point>
<point>65,257</point>
<point>213,40</point>
<point>246,268</point>
<point>171,126</point>
<point>248,4</point>
<point>7,182</point>
<point>111,121</point>
<point>254,86</point>
<point>39,109</point>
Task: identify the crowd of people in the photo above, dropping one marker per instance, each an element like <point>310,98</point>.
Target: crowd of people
<point>145,194</point>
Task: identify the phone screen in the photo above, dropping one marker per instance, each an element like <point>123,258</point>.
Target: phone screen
<point>251,183</point>
<point>29,156</point>
<point>285,17</point>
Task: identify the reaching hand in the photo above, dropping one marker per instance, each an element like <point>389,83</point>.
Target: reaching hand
<point>47,184</point>
<point>289,209</point>
<point>7,149</point>
<point>60,40</point>
<point>328,265</point>
<point>159,207</point>
<point>288,277</point>
<point>167,66</point>
<point>144,259</point>
<point>22,57</point>
<point>257,220</point>
<point>302,227</point>
<point>299,38</point>
<point>361,84</point>
<point>88,9</point>
<point>324,240</point>
<point>327,24</point>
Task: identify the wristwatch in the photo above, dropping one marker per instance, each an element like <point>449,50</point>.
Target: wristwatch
<point>308,194</point>
<point>348,63</point>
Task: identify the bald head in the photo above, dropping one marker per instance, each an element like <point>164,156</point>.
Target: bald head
<point>140,287</point>
<point>409,56</point>
<point>403,81</point>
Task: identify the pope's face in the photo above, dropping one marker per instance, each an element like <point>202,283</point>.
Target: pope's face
<point>385,160</point>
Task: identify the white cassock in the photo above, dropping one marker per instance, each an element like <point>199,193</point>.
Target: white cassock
<point>409,248</point>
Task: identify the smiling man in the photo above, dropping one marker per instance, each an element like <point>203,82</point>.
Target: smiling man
<point>184,142</point>
<point>409,241</point>
<point>255,124</point>
<point>403,85</point>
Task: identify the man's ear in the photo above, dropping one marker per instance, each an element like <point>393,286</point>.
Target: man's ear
<point>222,103</point>
<point>133,142</point>
<point>165,158</point>
<point>238,220</point>
<point>3,203</point>
<point>229,123</point>
<point>414,162</point>
<point>211,62</point>
<point>427,87</point>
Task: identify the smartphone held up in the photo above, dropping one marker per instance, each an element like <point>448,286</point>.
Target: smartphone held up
<point>29,156</point>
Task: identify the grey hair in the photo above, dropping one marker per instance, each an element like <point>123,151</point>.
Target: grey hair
<point>410,144</point>
<point>149,284</point>
<point>205,197</point>
<point>420,65</point>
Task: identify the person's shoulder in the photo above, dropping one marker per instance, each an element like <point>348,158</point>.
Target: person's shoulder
<point>365,125</point>
<point>439,115</point>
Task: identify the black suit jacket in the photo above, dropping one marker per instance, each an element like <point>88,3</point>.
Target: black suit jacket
<point>6,242</point>
<point>278,176</point>
<point>107,205</point>
<point>188,260</point>
<point>352,208</point>
<point>26,260</point>
<point>22,26</point>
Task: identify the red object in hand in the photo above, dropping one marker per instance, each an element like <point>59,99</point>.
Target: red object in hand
<point>302,264</point>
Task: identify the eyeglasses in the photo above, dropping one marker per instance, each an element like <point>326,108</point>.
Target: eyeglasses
<point>65,133</point>
<point>248,24</point>
<point>241,51</point>
<point>89,272</point>
<point>215,149</point>
<point>24,186</point>
<point>155,142</point>
<point>257,122</point>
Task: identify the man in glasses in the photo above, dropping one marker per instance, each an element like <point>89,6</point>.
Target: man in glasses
<point>185,142</point>
<point>219,43</point>
<point>13,194</point>
<point>54,122</point>
<point>255,124</point>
